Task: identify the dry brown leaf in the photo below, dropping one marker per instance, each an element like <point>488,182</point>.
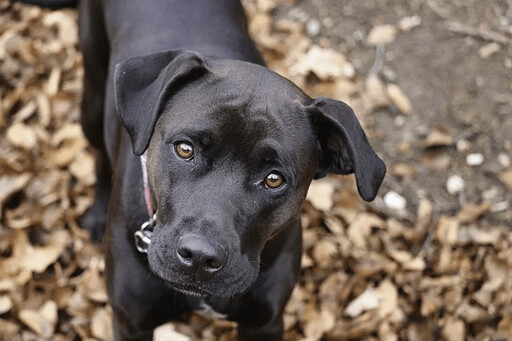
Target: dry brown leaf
<point>317,322</point>
<point>406,260</point>
<point>473,234</point>
<point>438,137</point>
<point>320,194</point>
<point>325,63</point>
<point>453,330</point>
<point>403,170</point>
<point>323,252</point>
<point>506,178</point>
<point>52,86</point>
<point>83,168</point>
<point>471,212</point>
<point>43,320</point>
<point>22,135</point>
<point>488,50</point>
<point>8,330</point>
<point>101,324</point>
<point>360,229</point>
<point>26,257</point>
<point>24,112</point>
<point>92,283</point>
<point>472,313</point>
<point>399,99</point>
<point>10,185</point>
<point>381,35</point>
<point>368,300</point>
<point>446,232</point>
<point>65,22</point>
<point>388,298</point>
<point>376,96</point>
<point>167,332</point>
<point>497,273</point>
<point>438,160</point>
<point>5,304</point>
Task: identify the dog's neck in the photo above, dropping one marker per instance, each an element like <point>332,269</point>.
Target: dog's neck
<point>144,233</point>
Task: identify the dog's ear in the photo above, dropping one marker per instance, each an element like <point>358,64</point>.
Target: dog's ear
<point>344,146</point>
<point>143,84</point>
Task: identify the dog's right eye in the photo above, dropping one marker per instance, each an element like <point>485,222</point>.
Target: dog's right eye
<point>274,180</point>
<point>184,150</point>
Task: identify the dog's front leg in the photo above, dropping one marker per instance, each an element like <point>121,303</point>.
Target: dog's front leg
<point>140,301</point>
<point>261,309</point>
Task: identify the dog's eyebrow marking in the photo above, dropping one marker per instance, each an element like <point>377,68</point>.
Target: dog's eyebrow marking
<point>203,137</point>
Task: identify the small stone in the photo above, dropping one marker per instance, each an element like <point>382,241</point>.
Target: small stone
<point>408,23</point>
<point>313,28</point>
<point>328,22</point>
<point>454,184</point>
<point>394,201</point>
<point>298,14</point>
<point>504,160</point>
<point>488,50</point>
<point>399,121</point>
<point>474,159</point>
<point>500,207</point>
<point>463,145</point>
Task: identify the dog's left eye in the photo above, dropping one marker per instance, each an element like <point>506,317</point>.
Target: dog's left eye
<point>274,180</point>
<point>184,150</point>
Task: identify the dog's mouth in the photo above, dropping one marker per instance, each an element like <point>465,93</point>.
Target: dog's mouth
<point>189,289</point>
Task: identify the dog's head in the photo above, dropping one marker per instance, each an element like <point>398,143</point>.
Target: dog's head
<point>232,148</point>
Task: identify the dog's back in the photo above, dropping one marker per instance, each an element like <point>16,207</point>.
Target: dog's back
<point>212,28</point>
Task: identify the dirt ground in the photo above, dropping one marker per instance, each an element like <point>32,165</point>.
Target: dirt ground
<point>450,86</point>
<point>429,259</point>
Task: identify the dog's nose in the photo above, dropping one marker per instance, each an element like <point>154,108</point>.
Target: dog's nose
<point>200,256</point>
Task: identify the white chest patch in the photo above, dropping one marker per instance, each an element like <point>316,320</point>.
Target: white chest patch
<point>207,311</point>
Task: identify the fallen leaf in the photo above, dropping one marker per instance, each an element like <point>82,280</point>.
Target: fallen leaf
<point>446,232</point>
<point>488,50</point>
<point>368,300</point>
<point>5,304</point>
<point>43,320</point>
<point>325,63</point>
<point>453,330</point>
<point>471,212</point>
<point>438,137</point>
<point>376,94</point>
<point>101,324</point>
<point>506,178</point>
<point>403,170</point>
<point>381,35</point>
<point>320,194</point>
<point>167,332</point>
<point>21,135</point>
<point>33,258</point>
<point>83,168</point>
<point>399,99</point>
<point>317,322</point>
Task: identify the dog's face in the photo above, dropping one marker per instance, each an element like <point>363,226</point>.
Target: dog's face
<point>232,148</point>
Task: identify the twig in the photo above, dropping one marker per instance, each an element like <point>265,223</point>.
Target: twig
<point>440,11</point>
<point>379,59</point>
<point>480,33</point>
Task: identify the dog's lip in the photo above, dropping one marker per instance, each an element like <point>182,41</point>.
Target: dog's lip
<point>191,290</point>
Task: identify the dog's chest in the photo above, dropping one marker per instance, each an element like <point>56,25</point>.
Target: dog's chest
<point>207,311</point>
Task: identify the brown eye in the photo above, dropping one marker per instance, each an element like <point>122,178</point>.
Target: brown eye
<point>185,150</point>
<point>274,180</point>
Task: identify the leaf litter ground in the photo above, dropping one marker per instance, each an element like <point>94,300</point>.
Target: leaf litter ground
<point>374,272</point>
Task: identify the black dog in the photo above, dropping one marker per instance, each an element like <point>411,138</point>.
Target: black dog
<point>231,150</point>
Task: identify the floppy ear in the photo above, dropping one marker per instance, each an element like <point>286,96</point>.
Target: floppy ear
<point>345,148</point>
<point>143,84</point>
